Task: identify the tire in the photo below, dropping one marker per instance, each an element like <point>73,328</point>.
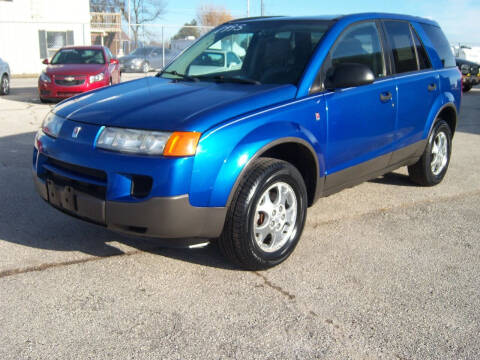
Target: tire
<point>240,242</point>
<point>467,88</point>
<point>4,85</point>
<point>433,165</point>
<point>145,67</point>
<point>44,101</point>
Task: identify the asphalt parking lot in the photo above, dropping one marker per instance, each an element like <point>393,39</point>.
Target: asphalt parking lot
<point>385,270</point>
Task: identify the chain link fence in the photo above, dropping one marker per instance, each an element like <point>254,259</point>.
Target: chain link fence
<point>142,49</point>
<point>146,47</point>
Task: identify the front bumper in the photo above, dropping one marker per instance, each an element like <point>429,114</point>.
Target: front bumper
<point>160,217</point>
<point>55,91</point>
<point>137,195</point>
<point>131,67</point>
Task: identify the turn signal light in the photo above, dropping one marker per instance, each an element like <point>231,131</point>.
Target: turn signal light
<point>182,144</point>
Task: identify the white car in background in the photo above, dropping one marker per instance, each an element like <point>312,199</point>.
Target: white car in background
<point>4,77</point>
<point>212,61</point>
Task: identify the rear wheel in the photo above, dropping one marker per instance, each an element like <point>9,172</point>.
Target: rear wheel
<point>4,85</point>
<point>432,166</point>
<point>266,217</point>
<point>467,88</point>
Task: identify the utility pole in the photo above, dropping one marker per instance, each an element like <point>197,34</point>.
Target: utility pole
<point>262,8</point>
<point>129,40</point>
<point>248,8</point>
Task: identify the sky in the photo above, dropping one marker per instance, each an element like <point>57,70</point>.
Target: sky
<point>460,19</point>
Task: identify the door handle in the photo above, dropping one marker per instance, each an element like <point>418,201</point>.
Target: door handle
<point>432,87</point>
<point>387,96</point>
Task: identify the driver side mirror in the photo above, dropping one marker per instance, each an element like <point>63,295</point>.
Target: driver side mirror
<point>349,75</point>
<point>45,61</point>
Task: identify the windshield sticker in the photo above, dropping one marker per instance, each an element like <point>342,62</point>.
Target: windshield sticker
<point>231,28</point>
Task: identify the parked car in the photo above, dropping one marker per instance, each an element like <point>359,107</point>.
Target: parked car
<point>470,73</point>
<point>320,104</point>
<point>74,70</point>
<point>144,59</point>
<point>212,61</point>
<point>4,77</point>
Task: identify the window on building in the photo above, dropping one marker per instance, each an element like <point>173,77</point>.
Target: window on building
<point>51,41</point>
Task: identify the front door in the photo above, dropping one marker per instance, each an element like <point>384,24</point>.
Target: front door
<point>361,120</point>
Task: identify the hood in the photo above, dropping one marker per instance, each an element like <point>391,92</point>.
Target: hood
<point>155,103</point>
<point>75,69</point>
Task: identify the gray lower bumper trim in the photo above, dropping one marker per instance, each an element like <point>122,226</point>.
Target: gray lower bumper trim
<point>167,217</point>
<point>160,217</point>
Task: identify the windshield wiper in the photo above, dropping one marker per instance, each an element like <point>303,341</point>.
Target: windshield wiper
<point>183,76</point>
<point>221,78</point>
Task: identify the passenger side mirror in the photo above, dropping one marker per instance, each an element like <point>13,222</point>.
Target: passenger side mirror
<point>348,75</point>
<point>113,61</point>
<point>45,61</point>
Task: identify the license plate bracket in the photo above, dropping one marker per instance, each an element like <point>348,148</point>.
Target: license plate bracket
<point>67,198</point>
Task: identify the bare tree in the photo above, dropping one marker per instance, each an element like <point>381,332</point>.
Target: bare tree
<point>141,11</point>
<point>212,15</point>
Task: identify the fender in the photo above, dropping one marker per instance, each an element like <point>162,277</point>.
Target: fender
<point>225,169</point>
<point>446,100</point>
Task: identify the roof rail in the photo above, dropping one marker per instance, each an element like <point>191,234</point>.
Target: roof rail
<point>255,18</point>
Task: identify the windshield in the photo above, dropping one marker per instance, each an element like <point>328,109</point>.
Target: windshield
<point>267,52</point>
<point>78,56</point>
<point>140,52</point>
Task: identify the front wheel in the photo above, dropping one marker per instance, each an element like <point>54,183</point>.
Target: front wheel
<point>266,216</point>
<point>4,85</point>
<point>432,166</point>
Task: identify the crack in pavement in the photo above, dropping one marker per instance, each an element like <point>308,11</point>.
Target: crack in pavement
<point>274,287</point>
<point>41,267</point>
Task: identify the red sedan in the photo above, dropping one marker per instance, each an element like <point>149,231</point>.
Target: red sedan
<point>74,70</point>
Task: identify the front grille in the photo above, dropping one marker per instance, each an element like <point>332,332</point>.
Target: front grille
<point>68,94</point>
<point>69,82</point>
<point>94,174</point>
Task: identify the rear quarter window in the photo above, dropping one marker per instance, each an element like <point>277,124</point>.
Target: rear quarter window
<point>440,43</point>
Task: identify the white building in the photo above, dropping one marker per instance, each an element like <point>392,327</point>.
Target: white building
<point>32,30</point>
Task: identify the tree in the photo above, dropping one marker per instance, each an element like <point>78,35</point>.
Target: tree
<point>141,11</point>
<point>211,15</point>
<point>187,31</point>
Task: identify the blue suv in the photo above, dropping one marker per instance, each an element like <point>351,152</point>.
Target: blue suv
<point>238,152</point>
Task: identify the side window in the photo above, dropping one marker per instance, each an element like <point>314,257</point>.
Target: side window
<point>359,44</point>
<point>441,45</point>
<point>400,39</point>
<point>233,59</point>
<point>423,60</point>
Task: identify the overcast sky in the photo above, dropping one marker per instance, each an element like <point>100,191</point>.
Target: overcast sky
<point>460,19</point>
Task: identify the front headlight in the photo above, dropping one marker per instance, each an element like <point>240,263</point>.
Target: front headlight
<point>52,125</point>
<point>45,78</point>
<point>146,142</point>
<point>95,78</point>
<point>137,61</point>
<point>133,141</point>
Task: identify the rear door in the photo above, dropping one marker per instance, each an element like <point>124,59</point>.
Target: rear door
<point>361,120</point>
<point>417,83</point>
